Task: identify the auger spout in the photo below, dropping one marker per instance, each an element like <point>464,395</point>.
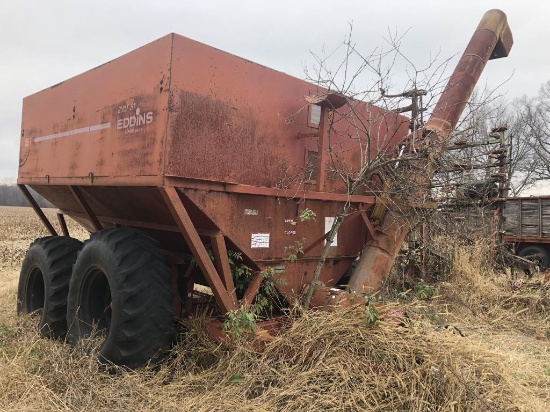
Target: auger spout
<point>491,40</point>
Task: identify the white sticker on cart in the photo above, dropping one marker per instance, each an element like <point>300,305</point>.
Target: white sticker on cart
<point>329,221</point>
<point>259,240</point>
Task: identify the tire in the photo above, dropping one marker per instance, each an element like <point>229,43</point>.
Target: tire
<point>121,290</point>
<point>44,282</point>
<point>538,254</point>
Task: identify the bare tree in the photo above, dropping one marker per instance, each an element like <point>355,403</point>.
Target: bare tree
<point>363,80</point>
<point>533,129</point>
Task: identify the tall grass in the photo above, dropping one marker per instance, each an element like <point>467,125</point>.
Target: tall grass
<point>480,344</point>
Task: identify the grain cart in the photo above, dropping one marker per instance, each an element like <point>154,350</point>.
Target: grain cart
<point>176,155</point>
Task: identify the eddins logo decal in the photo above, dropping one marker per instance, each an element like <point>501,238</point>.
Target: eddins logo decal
<point>132,119</point>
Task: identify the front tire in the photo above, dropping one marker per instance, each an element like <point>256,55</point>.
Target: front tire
<point>121,289</point>
<point>44,282</point>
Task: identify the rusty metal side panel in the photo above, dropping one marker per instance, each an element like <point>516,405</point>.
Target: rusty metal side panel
<point>139,204</point>
<point>107,122</point>
<point>266,228</point>
<point>233,120</point>
<point>526,239</point>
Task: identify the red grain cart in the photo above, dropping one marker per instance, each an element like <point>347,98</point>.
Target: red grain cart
<point>177,157</point>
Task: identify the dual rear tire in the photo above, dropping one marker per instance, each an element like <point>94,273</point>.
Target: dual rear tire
<point>118,290</point>
<point>44,282</point>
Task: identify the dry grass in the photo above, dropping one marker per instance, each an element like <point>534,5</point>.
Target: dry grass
<point>326,361</point>
<point>19,226</point>
<point>510,303</point>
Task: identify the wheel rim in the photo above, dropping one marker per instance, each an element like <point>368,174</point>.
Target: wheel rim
<point>538,262</point>
<point>35,291</point>
<point>95,305</point>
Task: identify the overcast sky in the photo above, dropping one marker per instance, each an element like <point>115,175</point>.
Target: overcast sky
<point>43,42</point>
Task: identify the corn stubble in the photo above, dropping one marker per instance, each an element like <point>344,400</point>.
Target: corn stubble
<point>325,361</point>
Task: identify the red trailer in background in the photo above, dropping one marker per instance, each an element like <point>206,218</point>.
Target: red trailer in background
<point>177,154</point>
